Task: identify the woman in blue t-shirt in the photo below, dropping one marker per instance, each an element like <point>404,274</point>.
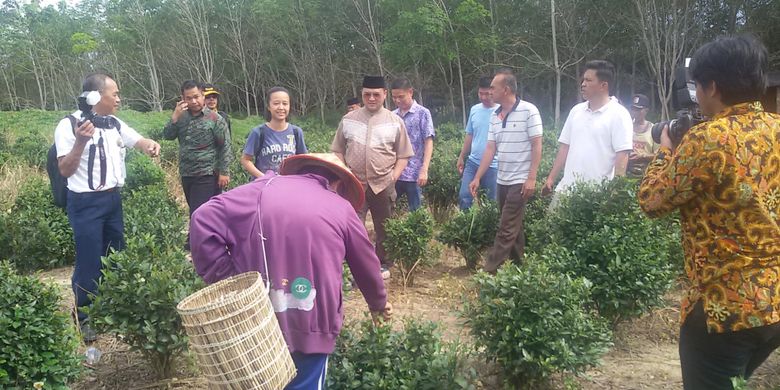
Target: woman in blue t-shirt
<point>270,143</point>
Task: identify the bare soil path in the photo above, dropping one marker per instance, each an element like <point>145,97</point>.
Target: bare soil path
<point>644,355</point>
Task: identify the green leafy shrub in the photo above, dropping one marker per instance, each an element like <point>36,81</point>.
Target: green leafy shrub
<point>36,233</point>
<point>32,148</point>
<point>151,210</point>
<point>142,171</point>
<point>472,231</point>
<point>408,241</point>
<point>169,151</point>
<point>38,342</point>
<point>450,131</point>
<point>137,298</point>
<point>623,253</point>
<point>318,138</point>
<point>379,358</point>
<point>535,224</point>
<point>534,322</point>
<point>441,192</point>
<point>238,176</point>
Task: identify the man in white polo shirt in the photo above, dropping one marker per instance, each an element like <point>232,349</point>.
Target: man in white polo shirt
<point>516,135</point>
<point>93,161</point>
<point>597,137</point>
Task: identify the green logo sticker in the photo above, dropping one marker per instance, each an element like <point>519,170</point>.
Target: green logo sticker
<point>300,288</point>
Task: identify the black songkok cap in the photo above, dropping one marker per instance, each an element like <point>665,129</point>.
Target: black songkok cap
<point>353,101</point>
<point>374,82</point>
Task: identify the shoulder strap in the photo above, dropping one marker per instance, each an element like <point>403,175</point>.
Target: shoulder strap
<point>74,123</point>
<point>298,132</point>
<point>260,141</point>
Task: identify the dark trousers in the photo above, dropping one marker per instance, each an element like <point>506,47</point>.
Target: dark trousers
<point>510,239</point>
<point>412,191</point>
<point>97,222</point>
<point>381,207</point>
<point>710,360</point>
<point>199,189</point>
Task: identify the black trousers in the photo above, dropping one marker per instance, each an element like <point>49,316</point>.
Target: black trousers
<point>710,360</point>
<point>199,189</point>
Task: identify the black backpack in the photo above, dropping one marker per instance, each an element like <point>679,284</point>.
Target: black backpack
<point>59,184</point>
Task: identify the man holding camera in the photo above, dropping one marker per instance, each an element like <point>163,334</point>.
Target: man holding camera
<point>92,159</point>
<point>724,177</point>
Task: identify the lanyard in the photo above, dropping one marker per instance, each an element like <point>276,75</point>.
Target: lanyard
<point>101,149</point>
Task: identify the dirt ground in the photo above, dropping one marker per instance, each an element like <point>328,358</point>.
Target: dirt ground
<point>644,355</point>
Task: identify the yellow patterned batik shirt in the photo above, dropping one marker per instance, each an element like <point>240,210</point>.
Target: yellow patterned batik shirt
<point>725,179</point>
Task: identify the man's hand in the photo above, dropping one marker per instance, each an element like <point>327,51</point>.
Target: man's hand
<point>529,187</point>
<point>473,187</point>
<point>223,181</point>
<point>84,132</point>
<point>386,314</point>
<point>460,165</point>
<point>178,111</point>
<point>152,148</point>
<point>548,186</point>
<point>422,179</point>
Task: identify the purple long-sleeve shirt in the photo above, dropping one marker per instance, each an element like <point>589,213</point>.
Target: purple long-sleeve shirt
<point>309,231</point>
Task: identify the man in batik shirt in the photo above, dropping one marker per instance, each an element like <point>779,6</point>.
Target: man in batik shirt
<point>724,177</point>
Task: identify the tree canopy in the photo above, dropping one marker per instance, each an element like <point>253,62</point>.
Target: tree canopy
<point>320,49</point>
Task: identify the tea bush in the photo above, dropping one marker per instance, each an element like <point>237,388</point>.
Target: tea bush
<point>35,233</point>
<point>625,254</point>
<point>472,231</point>
<point>450,131</point>
<point>38,342</point>
<point>379,358</point>
<point>318,138</point>
<point>137,298</point>
<point>32,148</point>
<point>441,193</point>
<point>534,322</point>
<point>169,151</point>
<point>408,239</point>
<point>151,210</point>
<point>142,171</point>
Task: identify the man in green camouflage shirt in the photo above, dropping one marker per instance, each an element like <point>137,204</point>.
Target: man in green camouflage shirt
<point>204,146</point>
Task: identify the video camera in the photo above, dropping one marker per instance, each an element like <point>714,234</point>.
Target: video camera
<point>684,103</point>
<point>86,102</point>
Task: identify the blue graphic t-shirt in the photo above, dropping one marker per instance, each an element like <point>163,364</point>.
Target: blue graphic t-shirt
<point>276,146</point>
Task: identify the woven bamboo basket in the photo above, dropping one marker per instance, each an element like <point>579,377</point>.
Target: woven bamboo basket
<point>235,336</point>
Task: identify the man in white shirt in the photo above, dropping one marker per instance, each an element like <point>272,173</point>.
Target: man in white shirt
<point>597,137</point>
<point>92,159</point>
<point>515,137</point>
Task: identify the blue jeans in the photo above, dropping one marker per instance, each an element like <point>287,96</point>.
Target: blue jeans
<point>312,371</point>
<point>412,191</point>
<point>487,183</point>
<point>98,224</point>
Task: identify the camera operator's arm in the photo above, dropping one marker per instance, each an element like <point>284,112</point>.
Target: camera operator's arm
<point>70,162</point>
<point>676,176</point>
